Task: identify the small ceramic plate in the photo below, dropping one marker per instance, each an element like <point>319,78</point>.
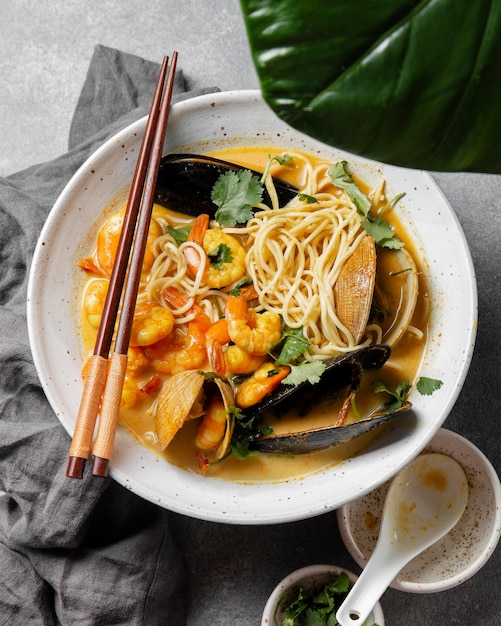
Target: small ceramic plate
<point>309,577</point>
<point>463,551</point>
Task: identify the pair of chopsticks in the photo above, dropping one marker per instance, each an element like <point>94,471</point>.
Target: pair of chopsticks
<point>105,376</point>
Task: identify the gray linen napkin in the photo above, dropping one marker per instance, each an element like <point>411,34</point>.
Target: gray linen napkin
<point>71,552</point>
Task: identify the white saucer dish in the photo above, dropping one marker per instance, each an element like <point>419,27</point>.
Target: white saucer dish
<point>463,551</point>
<point>208,123</point>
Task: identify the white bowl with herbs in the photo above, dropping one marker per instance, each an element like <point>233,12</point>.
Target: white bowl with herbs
<point>312,595</point>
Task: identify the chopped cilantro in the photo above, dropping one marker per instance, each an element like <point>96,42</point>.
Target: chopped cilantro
<point>310,371</point>
<point>246,431</point>
<point>291,354</point>
<point>382,233</point>
<point>426,386</point>
<point>180,235</point>
<point>391,203</point>
<point>219,256</point>
<point>304,197</point>
<point>398,396</point>
<point>293,347</point>
<point>244,282</point>
<point>286,159</point>
<point>234,194</point>
<point>317,607</point>
<point>376,227</point>
<point>341,178</point>
<point>282,160</point>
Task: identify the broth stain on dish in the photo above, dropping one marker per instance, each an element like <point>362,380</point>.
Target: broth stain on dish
<point>405,362</point>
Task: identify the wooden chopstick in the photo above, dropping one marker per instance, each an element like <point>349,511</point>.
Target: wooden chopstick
<point>103,377</point>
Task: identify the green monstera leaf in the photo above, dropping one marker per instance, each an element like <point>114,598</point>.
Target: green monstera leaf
<point>416,84</point>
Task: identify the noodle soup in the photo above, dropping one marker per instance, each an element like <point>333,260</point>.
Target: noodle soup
<point>172,338</point>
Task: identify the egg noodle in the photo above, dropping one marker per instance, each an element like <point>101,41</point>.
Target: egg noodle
<point>294,256</point>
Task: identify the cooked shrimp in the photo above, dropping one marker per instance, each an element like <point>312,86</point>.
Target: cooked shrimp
<point>239,361</point>
<point>255,333</point>
<point>225,256</point>
<point>136,360</point>
<point>216,337</point>
<point>130,393</point>
<point>152,322</point>
<point>93,300</point>
<point>213,426</point>
<point>168,356</point>
<point>109,235</point>
<point>260,384</point>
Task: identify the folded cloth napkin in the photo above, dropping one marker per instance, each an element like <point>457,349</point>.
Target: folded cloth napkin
<point>72,551</point>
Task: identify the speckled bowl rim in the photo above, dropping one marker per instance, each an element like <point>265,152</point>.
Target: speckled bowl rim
<point>300,575</point>
<point>456,446</point>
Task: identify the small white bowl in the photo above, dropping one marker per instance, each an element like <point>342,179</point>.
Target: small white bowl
<point>463,551</point>
<point>309,577</point>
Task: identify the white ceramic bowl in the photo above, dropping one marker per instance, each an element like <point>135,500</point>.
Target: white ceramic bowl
<point>463,551</point>
<point>206,123</point>
<point>309,577</point>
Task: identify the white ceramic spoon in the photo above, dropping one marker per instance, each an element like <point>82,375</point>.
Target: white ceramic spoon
<point>425,500</point>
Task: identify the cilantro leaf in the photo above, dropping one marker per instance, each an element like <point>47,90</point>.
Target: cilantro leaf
<point>220,255</point>
<point>310,371</point>
<point>286,159</point>
<point>318,607</point>
<point>245,432</point>
<point>341,178</point>
<point>399,395</point>
<point>234,194</point>
<point>294,346</point>
<point>382,233</point>
<point>426,386</point>
<point>180,235</point>
<point>304,197</point>
<point>391,203</point>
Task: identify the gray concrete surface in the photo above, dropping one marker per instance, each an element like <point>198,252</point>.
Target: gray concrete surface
<point>45,49</point>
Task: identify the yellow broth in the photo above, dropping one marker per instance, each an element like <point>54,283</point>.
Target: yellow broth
<point>404,364</point>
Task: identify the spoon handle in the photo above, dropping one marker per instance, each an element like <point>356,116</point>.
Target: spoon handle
<point>370,586</point>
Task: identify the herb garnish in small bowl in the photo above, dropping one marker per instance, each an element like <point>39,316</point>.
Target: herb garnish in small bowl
<point>311,596</point>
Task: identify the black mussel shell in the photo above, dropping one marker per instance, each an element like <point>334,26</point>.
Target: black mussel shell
<point>342,374</point>
<point>185,183</point>
<point>322,438</point>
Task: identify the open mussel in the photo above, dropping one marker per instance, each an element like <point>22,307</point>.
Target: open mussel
<point>342,375</point>
<point>341,378</point>
<point>185,183</point>
<point>321,438</point>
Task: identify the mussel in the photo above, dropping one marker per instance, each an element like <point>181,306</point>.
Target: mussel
<point>185,183</point>
<point>341,378</point>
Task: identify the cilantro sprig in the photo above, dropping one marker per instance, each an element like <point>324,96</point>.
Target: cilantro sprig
<point>380,230</point>
<point>293,347</point>
<point>425,386</point>
<point>180,234</point>
<point>284,159</point>
<point>341,178</point>
<point>220,256</point>
<point>234,193</point>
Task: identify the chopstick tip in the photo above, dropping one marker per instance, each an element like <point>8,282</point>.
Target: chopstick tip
<point>76,466</point>
<point>100,467</point>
